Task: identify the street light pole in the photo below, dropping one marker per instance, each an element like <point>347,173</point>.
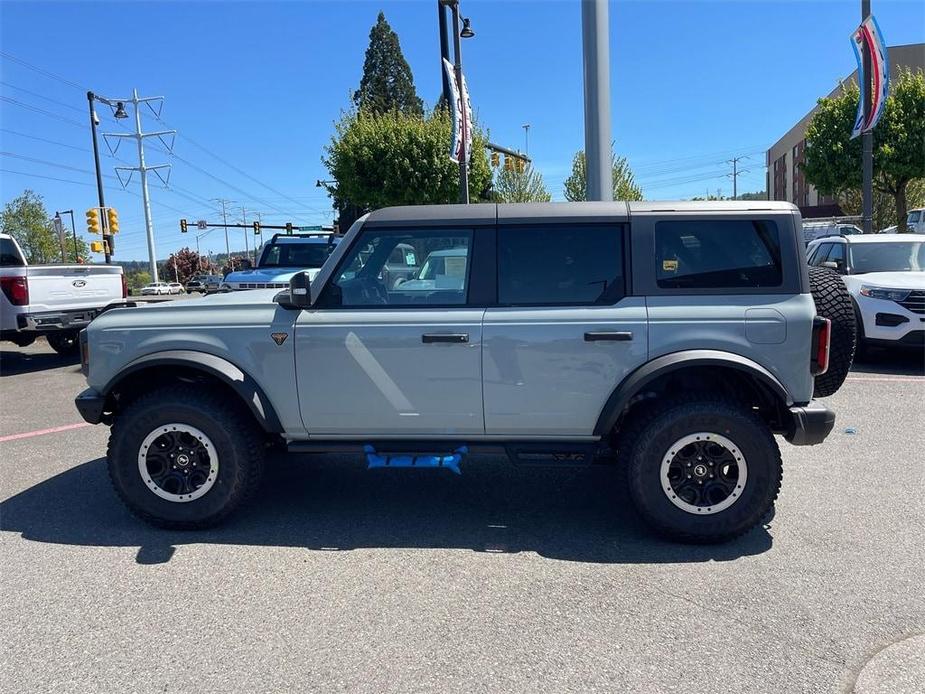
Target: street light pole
<point>595,36</point>
<point>867,142</point>
<point>99,177</point>
<point>463,154</point>
<point>73,231</point>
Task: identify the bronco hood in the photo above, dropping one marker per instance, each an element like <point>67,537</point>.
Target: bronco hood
<point>268,275</point>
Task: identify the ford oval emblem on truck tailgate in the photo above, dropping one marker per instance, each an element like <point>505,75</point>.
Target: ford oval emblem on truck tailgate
<point>79,283</point>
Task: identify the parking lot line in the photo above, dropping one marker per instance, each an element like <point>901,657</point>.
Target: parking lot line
<point>40,432</point>
<point>898,379</point>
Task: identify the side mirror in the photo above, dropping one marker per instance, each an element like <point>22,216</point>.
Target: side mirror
<point>831,264</point>
<point>299,295</point>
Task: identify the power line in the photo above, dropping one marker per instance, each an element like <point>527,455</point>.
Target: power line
<point>42,139</point>
<point>41,96</point>
<point>36,109</point>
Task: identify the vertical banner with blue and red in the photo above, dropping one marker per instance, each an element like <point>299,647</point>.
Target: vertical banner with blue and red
<point>868,37</point>
<point>461,112</point>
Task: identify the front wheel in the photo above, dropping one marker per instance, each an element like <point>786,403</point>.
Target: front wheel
<point>184,458</point>
<point>703,471</point>
<point>65,342</point>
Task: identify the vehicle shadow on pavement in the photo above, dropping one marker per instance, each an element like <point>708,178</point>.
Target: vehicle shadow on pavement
<point>890,362</point>
<point>13,363</point>
<point>335,504</point>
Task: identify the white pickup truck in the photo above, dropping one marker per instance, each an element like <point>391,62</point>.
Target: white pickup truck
<point>55,301</point>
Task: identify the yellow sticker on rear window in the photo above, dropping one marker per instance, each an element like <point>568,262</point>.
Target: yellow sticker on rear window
<point>670,265</point>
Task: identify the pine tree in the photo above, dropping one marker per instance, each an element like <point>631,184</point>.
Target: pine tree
<point>387,84</point>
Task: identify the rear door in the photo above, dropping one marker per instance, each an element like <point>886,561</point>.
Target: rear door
<point>376,360</point>
<point>564,334</point>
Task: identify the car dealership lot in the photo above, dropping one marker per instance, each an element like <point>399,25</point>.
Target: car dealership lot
<point>512,578</point>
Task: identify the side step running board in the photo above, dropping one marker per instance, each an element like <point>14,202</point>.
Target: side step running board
<point>449,461</point>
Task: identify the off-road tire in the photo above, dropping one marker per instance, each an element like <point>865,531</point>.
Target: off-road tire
<point>834,302</point>
<point>64,342</point>
<point>237,439</point>
<point>653,437</point>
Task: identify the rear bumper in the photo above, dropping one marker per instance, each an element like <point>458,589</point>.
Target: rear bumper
<point>90,405</point>
<point>51,321</point>
<point>810,424</point>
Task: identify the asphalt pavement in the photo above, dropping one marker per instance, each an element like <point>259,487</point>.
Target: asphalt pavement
<point>503,579</point>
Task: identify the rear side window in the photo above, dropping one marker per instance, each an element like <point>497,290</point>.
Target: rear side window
<point>717,254</point>
<point>9,256</point>
<point>543,266</point>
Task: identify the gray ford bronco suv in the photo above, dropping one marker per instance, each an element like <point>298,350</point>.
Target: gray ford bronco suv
<point>673,339</point>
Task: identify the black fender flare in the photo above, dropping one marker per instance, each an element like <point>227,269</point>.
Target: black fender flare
<point>242,383</point>
<point>665,364</point>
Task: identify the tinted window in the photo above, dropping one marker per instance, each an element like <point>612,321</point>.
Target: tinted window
<point>837,255</point>
<point>9,256</point>
<point>716,254</point>
<point>304,255</point>
<point>555,265</point>
<point>822,250</point>
<point>913,217</point>
<point>365,278</point>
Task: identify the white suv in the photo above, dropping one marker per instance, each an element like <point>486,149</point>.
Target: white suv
<point>885,275</point>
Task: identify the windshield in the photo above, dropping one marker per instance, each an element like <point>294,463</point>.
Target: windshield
<point>302,255</point>
<point>887,257</point>
<point>913,217</point>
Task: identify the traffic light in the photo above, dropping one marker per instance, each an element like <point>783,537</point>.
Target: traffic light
<point>288,227</point>
<point>96,246</point>
<point>508,162</point>
<point>113,218</point>
<point>256,228</point>
<point>519,165</point>
<point>93,221</point>
<point>183,225</point>
<point>495,160</point>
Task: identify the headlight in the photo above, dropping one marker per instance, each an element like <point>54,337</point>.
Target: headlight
<point>888,294</point>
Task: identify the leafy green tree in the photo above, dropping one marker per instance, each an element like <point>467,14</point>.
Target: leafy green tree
<point>525,186</point>
<point>624,184</point>
<point>387,83</point>
<point>26,219</point>
<point>833,159</point>
<point>182,266</point>
<point>137,279</point>
<point>392,158</point>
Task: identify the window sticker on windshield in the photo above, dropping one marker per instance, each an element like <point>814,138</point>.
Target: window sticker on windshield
<point>409,259</point>
<point>455,266</point>
<point>670,265</point>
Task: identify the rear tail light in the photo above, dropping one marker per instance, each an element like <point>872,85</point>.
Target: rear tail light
<point>16,289</point>
<point>124,286</point>
<point>822,342</point>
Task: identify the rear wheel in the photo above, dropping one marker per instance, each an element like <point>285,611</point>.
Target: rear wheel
<point>834,302</point>
<point>703,471</point>
<point>184,458</point>
<point>64,342</point>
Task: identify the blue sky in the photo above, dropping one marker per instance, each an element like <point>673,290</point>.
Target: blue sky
<point>261,84</point>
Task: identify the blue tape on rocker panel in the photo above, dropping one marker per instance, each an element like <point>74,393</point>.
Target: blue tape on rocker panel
<point>415,460</point>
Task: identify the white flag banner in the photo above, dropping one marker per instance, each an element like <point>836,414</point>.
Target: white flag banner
<point>455,112</point>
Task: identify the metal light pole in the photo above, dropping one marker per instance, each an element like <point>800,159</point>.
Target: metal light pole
<point>526,127</point>
<point>73,230</point>
<point>99,174</point>
<point>867,143</point>
<point>595,37</point>
<point>466,32</point>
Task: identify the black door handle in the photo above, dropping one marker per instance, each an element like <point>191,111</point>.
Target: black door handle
<point>455,338</point>
<point>619,336</point>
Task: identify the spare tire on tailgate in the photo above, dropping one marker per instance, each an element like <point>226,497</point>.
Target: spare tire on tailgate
<point>834,302</point>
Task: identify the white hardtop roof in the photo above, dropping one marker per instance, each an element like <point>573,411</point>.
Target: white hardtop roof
<point>874,238</point>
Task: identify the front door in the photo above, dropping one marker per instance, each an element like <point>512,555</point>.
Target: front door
<point>564,335</point>
<point>389,357</point>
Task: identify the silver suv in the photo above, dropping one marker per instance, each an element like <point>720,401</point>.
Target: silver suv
<point>674,340</point>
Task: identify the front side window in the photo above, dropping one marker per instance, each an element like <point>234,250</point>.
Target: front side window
<point>581,265</point>
<point>367,276</point>
<point>717,254</point>
<point>837,255</point>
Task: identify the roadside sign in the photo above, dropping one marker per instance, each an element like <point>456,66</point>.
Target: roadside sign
<point>316,227</point>
<point>202,224</point>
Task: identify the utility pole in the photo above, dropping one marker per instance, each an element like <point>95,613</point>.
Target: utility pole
<point>526,127</point>
<point>99,174</point>
<point>223,203</point>
<point>867,142</point>
<point>736,172</point>
<point>595,37</point>
<point>139,137</point>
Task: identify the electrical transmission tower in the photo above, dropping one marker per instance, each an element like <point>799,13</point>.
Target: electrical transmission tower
<point>142,168</point>
<point>224,203</point>
<point>736,172</point>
